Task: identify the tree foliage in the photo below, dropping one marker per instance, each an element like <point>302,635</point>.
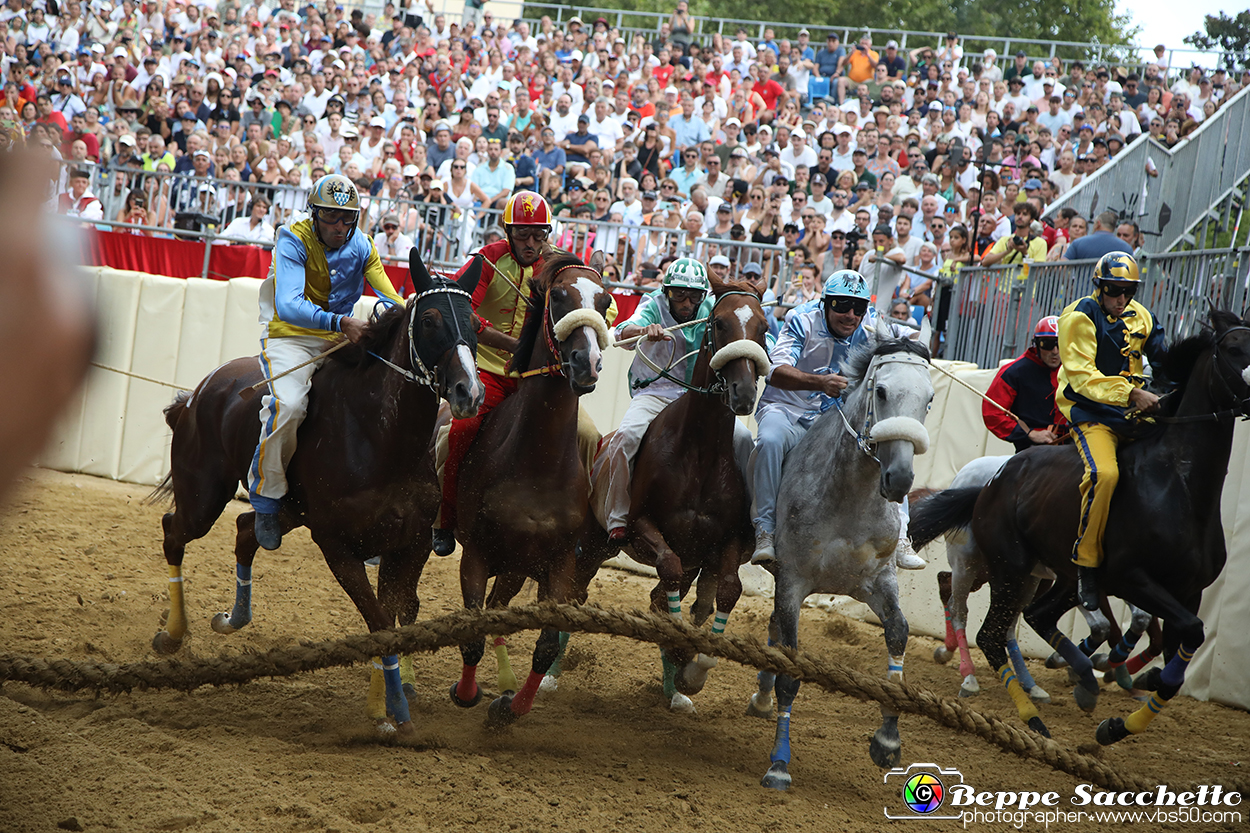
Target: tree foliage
<point>1230,35</point>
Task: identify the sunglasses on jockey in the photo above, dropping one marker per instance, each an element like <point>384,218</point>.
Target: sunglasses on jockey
<point>859,306</point>
<point>1113,291</point>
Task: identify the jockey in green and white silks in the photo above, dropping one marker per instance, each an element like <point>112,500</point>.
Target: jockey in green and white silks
<point>684,296</point>
<point>804,382</point>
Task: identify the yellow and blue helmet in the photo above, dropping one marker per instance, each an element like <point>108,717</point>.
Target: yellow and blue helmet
<point>1116,266</point>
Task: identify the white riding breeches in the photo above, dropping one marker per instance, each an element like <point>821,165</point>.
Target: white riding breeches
<point>281,412</point>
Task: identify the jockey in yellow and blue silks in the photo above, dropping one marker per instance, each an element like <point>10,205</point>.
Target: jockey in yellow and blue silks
<point>317,275</point>
<point>1102,339</point>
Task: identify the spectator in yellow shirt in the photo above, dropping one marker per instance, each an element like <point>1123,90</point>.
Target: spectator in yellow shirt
<point>1021,246</point>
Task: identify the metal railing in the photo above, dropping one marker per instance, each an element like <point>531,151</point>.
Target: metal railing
<point>637,21</point>
<point>993,309</point>
<point>1188,182</point>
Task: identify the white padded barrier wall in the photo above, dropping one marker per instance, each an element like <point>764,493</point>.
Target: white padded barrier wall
<point>180,330</point>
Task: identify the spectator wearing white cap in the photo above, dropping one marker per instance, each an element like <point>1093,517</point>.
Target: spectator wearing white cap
<point>375,139</point>
<point>989,66</point>
<point>796,152</point>
<point>390,241</point>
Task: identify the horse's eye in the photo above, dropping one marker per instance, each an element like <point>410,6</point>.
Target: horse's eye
<point>882,394</point>
<point>720,325</point>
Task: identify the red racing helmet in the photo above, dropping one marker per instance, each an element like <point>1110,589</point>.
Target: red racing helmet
<point>526,208</point>
<point>1047,327</point>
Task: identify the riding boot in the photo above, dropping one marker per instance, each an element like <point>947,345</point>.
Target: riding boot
<point>268,530</point>
<point>764,552</point>
<point>1087,587</point>
<point>444,541</point>
<point>906,558</point>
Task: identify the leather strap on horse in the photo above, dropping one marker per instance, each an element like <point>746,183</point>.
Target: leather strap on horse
<point>465,626</point>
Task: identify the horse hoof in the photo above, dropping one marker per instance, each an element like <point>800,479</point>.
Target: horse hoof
<point>1148,681</point>
<point>766,711</point>
<point>682,704</point>
<point>1038,695</point>
<point>942,655</point>
<point>1036,724</point>
<point>410,691</point>
<point>499,715</point>
<point>549,685</point>
<point>165,644</point>
<point>693,675</point>
<point>777,778</point>
<point>465,704</point>
<point>1111,731</point>
<point>406,730</point>
<point>1056,660</point>
<point>1085,698</point>
<point>970,687</point>
<point>1100,661</point>
<point>221,623</point>
<point>885,753</point>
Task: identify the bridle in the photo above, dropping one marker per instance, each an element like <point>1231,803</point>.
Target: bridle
<point>719,386</point>
<point>557,364</point>
<point>1241,409</point>
<point>863,438</point>
<point>420,374</point>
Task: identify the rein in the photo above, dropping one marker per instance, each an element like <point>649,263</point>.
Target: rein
<point>556,366</point>
<point>422,375</point>
<point>1216,416</point>
<point>719,387</point>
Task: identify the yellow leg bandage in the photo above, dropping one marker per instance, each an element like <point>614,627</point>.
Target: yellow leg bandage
<point>507,679</point>
<point>375,705</point>
<point>1140,719</point>
<point>177,624</point>
<point>1024,705</point>
<point>406,676</point>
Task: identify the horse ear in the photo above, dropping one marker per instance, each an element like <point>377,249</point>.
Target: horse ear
<point>883,331</point>
<point>421,280</point>
<point>926,331</point>
<point>598,262</point>
<point>468,281</point>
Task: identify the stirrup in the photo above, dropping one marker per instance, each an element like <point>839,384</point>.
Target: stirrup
<point>1087,587</point>
<point>444,542</point>
<point>268,530</point>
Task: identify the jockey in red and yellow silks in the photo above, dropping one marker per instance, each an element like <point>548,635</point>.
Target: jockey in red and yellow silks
<point>501,302</point>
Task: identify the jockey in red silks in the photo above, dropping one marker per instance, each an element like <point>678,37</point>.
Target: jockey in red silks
<point>500,304</point>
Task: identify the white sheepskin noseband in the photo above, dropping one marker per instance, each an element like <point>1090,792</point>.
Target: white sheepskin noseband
<point>578,318</point>
<point>742,348</point>
<point>901,428</point>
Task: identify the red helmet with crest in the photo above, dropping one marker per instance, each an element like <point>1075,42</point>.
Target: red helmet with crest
<point>526,208</point>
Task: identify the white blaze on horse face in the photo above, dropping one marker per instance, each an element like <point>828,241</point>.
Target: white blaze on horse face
<point>470,370</point>
<point>592,342</point>
<point>587,289</point>
<point>1245,375</point>
<point>744,315</point>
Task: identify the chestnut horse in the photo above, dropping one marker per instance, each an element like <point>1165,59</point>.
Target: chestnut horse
<point>523,494</point>
<point>362,477</point>
<point>689,505</point>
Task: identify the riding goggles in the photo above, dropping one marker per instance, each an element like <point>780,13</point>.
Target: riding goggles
<point>1046,343</point>
<point>859,306</point>
<point>1113,291</point>
<point>337,218</point>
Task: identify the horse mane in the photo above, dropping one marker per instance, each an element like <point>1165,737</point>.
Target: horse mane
<point>383,328</point>
<point>539,284</point>
<point>719,288</point>
<point>856,364</point>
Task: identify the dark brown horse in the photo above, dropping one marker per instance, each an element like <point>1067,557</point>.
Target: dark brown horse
<point>689,506</point>
<point>523,491</point>
<point>362,477</point>
<point>1164,543</point>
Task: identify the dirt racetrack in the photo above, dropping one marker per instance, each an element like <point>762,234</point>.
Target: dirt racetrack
<point>83,579</point>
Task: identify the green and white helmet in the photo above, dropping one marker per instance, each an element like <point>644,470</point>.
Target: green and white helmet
<point>686,273</point>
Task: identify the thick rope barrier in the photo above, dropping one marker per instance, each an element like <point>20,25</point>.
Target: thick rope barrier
<point>458,628</point>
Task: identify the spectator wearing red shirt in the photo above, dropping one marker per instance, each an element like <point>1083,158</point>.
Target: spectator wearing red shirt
<point>774,95</point>
<point>78,125</point>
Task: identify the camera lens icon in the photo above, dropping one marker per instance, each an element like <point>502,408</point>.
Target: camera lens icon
<point>923,793</point>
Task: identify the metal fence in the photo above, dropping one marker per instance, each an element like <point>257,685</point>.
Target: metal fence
<point>1169,193</point>
<point>993,310</point>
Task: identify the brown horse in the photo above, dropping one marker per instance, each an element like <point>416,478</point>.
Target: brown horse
<point>523,491</point>
<point>362,478</point>
<point>690,510</point>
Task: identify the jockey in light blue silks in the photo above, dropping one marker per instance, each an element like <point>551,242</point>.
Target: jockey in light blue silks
<point>684,296</point>
<point>803,383</point>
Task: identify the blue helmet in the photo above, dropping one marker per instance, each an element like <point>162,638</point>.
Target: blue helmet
<point>847,283</point>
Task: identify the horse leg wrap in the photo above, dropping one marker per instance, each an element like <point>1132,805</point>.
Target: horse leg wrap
<point>1088,646</point>
<point>965,656</point>
<point>396,702</point>
<point>670,675</point>
<point>176,627</point>
<point>674,604</point>
<point>466,689</point>
<point>241,614</point>
<point>524,699</point>
<point>781,741</point>
<point>375,703</point>
<point>1140,719</point>
<point>1024,706</point>
<point>555,669</point>
<point>1137,663</point>
<point>406,674</point>
<point>952,642</point>
<point>1076,658</point>
<point>1017,662</point>
<point>1121,651</point>
<point>507,679</point>
<point>894,669</point>
<point>1174,672</point>
<point>719,621</point>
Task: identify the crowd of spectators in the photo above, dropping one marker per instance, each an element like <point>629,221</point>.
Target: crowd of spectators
<point>842,154</point>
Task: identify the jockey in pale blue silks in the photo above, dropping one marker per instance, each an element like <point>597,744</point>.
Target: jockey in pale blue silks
<point>683,297</point>
<point>803,383</point>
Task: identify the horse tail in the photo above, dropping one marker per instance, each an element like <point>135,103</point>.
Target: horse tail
<point>940,513</point>
<point>166,487</point>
